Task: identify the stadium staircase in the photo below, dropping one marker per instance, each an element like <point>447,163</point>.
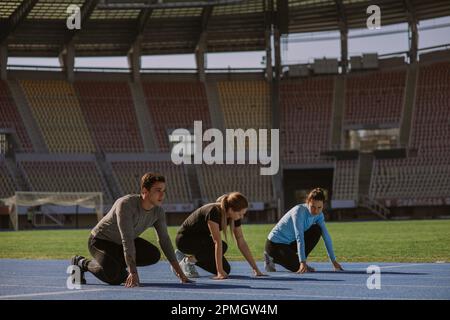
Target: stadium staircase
<point>374,206</point>
<point>215,110</point>
<point>27,116</point>
<point>144,119</point>
<point>193,184</point>
<point>365,173</point>
<point>338,112</point>
<point>107,173</point>
<point>21,183</point>
<point>408,107</point>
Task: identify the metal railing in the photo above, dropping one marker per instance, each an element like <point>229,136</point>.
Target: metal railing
<point>374,206</point>
<point>128,70</point>
<point>194,70</point>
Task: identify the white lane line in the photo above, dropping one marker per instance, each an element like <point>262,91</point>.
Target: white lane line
<point>43,294</point>
<point>250,278</point>
<point>283,295</point>
<point>304,282</point>
<point>405,265</point>
<point>27,286</point>
<point>362,284</point>
<point>200,291</point>
<point>6,276</point>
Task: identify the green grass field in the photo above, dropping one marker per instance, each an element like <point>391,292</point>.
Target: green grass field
<point>384,241</point>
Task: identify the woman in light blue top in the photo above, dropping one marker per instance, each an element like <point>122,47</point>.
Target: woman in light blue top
<point>296,234</point>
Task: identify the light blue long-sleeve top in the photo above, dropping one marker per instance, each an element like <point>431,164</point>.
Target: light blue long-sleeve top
<point>293,225</point>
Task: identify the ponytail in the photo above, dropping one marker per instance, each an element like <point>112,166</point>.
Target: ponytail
<point>317,194</point>
<point>223,203</point>
<point>234,200</point>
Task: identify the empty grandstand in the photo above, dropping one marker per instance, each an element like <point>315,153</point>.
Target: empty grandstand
<point>423,177</point>
<point>109,112</point>
<point>375,98</point>
<point>375,135</point>
<point>56,109</point>
<point>175,105</point>
<point>306,115</point>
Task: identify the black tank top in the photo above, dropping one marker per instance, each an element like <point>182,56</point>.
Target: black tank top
<point>197,222</point>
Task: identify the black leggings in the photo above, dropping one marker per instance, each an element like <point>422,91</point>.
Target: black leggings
<point>109,264</point>
<point>286,254</point>
<point>203,249</point>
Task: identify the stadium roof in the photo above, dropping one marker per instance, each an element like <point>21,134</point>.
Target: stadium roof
<point>37,28</point>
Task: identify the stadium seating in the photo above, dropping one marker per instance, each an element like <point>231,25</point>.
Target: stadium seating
<point>374,98</point>
<point>306,114</point>
<point>345,180</point>
<point>128,174</point>
<point>56,109</point>
<point>174,105</point>
<point>431,129</point>
<point>65,176</point>
<point>245,104</point>
<point>425,175</point>
<point>109,112</point>
<point>7,186</point>
<point>411,178</point>
<point>92,116</point>
<point>10,117</point>
<point>219,179</point>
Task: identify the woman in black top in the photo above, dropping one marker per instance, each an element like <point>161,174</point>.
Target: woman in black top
<point>199,236</point>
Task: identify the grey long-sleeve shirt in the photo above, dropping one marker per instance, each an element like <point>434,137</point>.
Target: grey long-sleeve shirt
<point>127,220</point>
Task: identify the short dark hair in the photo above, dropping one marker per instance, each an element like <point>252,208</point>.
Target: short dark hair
<point>150,178</point>
<point>317,194</point>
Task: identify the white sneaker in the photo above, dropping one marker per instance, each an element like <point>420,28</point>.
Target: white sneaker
<point>188,268</point>
<point>180,255</point>
<point>187,264</point>
<point>269,265</point>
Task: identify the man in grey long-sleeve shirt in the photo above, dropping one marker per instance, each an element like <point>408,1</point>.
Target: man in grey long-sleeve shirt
<point>115,244</point>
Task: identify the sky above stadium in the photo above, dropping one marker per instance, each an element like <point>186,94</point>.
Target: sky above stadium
<point>297,48</point>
